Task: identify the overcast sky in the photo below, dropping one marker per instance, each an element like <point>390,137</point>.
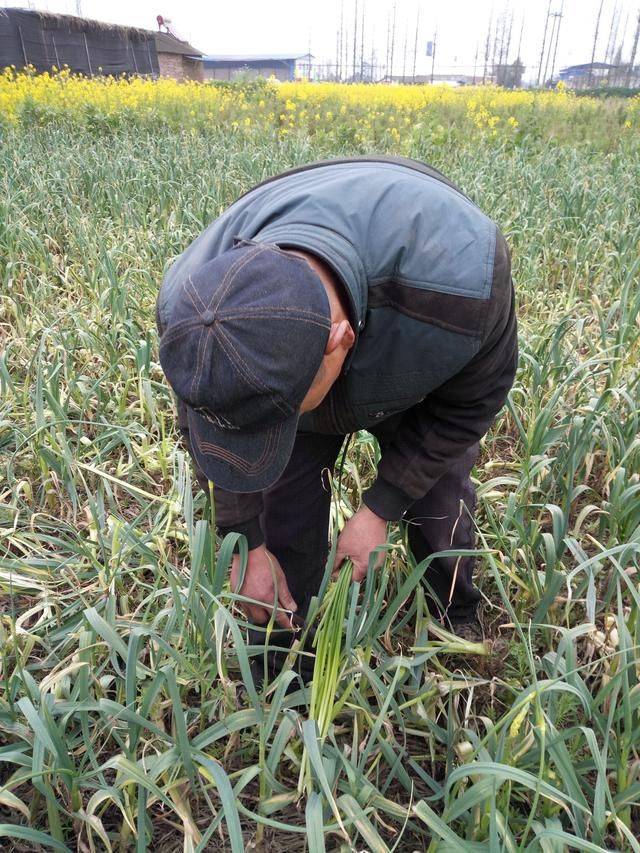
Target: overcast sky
<point>279,26</point>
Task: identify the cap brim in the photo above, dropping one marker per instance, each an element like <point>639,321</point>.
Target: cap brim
<point>241,460</point>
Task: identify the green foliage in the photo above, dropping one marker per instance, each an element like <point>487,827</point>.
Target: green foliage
<point>608,92</point>
<point>123,721</point>
<point>254,87</point>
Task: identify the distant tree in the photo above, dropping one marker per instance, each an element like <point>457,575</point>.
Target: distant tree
<point>509,75</point>
<point>518,67</point>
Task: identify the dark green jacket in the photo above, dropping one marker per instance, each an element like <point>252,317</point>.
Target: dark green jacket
<point>428,278</point>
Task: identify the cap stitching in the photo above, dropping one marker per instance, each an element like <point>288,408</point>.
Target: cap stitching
<point>282,317</point>
<point>299,314</point>
<point>177,331</point>
<point>251,378</point>
<point>246,370</point>
<point>209,449</point>
<point>195,377</point>
<point>201,357</point>
<point>195,291</point>
<point>198,311</point>
<point>272,247</point>
<point>229,276</point>
<point>260,308</point>
<point>195,380</point>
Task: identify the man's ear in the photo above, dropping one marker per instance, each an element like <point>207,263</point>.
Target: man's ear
<point>341,334</point>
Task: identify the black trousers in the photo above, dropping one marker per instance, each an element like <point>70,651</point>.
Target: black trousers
<point>295,522</point>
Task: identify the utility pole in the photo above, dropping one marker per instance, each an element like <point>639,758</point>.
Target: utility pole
<point>495,46</point>
<point>347,36</point>
<point>524,15</point>
<point>619,48</point>
<point>393,39</point>
<point>433,55</point>
<point>355,38</point>
<point>503,43</point>
<point>415,45</point>
<point>475,64</point>
<point>634,49</point>
<point>498,42</point>
<point>345,54</point>
<point>614,44</point>
<point>339,52</point>
<point>508,50</point>
<point>610,40</point>
<point>551,38</point>
<point>559,16</point>
<point>386,61</point>
<point>544,41</point>
<point>595,42</point>
<point>486,48</point>
<point>404,53</point>
<point>553,43</point>
<point>362,44</point>
<point>373,52</point>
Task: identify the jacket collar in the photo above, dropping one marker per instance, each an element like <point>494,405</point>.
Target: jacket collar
<point>335,251</point>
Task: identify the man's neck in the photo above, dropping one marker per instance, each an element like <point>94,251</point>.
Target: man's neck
<point>335,294</point>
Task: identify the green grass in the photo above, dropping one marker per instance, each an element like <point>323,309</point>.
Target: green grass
<point>123,722</point>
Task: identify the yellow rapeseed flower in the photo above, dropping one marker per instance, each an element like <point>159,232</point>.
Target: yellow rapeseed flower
<point>367,115</point>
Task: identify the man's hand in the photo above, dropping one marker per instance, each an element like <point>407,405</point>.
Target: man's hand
<point>262,572</point>
<point>361,534</point>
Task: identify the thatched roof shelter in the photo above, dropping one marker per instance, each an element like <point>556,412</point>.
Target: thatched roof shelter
<point>45,39</point>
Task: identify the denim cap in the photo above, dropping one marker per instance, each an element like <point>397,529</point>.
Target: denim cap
<point>243,341</point>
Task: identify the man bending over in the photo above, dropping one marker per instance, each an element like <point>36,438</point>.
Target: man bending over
<point>362,293</point>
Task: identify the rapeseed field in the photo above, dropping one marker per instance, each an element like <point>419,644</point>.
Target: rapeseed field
<point>128,720</point>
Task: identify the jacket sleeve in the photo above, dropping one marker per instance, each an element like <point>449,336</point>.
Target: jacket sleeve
<point>235,512</point>
<point>450,419</point>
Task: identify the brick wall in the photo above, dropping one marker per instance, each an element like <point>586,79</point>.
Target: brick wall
<point>170,65</point>
<point>179,67</point>
<point>193,69</point>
